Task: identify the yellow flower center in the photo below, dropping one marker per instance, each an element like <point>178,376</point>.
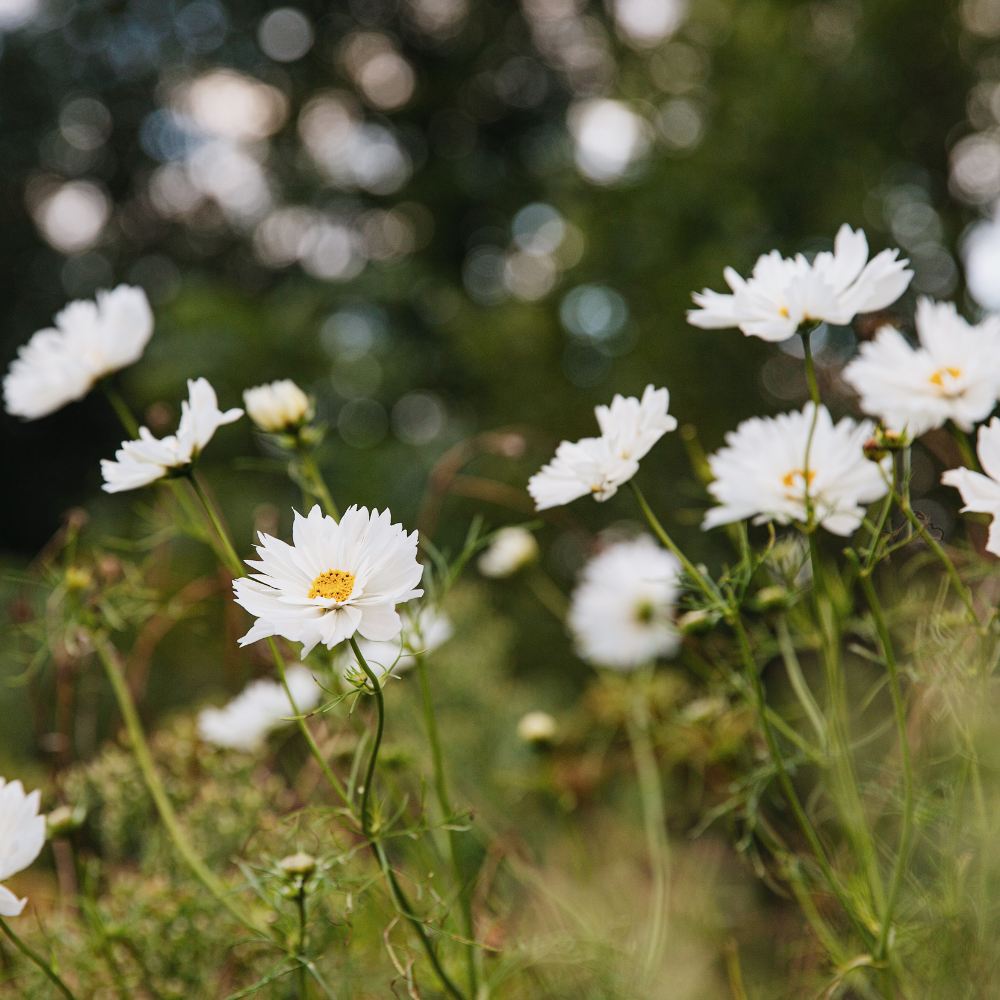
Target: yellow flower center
<point>938,377</point>
<point>334,584</point>
<point>789,477</point>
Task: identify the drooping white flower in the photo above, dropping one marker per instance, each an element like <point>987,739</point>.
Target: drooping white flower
<point>783,293</point>
<point>598,466</point>
<point>89,340</point>
<point>421,633</point>
<point>622,611</point>
<point>22,837</point>
<point>953,375</point>
<point>763,471</point>
<point>143,461</point>
<point>335,580</point>
<point>262,706</point>
<point>276,406</point>
<point>511,549</point>
<point>981,493</point>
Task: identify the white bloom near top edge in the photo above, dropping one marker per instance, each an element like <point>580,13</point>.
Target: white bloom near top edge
<point>783,293</point>
<point>981,493</point>
<point>598,466</point>
<point>511,549</point>
<point>762,472</point>
<point>260,708</point>
<point>953,375</point>
<point>143,461</point>
<point>421,633</point>
<point>622,611</point>
<point>22,837</point>
<point>276,406</point>
<point>334,580</point>
<point>89,340</point>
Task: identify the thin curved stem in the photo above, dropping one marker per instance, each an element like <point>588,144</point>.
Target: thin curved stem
<point>964,447</point>
<point>317,484</point>
<point>121,408</point>
<point>300,946</point>
<point>33,956</point>
<point>234,561</point>
<point>805,332</point>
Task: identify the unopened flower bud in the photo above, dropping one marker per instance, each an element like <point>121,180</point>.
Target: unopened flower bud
<point>511,549</point>
<point>300,864</point>
<point>78,578</point>
<point>699,620</point>
<point>771,597</point>
<point>64,820</point>
<point>537,727</point>
<point>277,406</point>
<point>882,442</point>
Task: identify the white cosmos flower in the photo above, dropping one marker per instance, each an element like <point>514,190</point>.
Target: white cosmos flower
<point>511,549</point>
<point>981,493</point>
<point>89,340</point>
<point>22,837</point>
<point>629,428</point>
<point>762,472</point>
<point>335,580</point>
<point>261,707</point>
<point>621,615</point>
<point>143,461</point>
<point>422,633</point>
<point>782,293</point>
<point>276,406</point>
<point>953,375</point>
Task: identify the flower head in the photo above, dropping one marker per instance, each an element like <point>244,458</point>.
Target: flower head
<point>953,375</point>
<point>598,466</point>
<point>511,549</point>
<point>981,493</point>
<point>783,293</point>
<point>621,615</point>
<point>261,707</point>
<point>772,466</point>
<point>422,632</point>
<point>537,727</point>
<point>143,461</point>
<point>22,837</point>
<point>277,406</point>
<point>334,580</point>
<point>89,340</point>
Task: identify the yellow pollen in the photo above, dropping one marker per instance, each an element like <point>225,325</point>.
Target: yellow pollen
<point>334,584</point>
<point>938,377</point>
<point>789,477</point>
<point>783,311</point>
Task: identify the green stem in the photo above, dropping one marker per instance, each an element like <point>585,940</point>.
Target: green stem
<point>317,485</point>
<point>964,447</point>
<point>805,332</point>
<point>654,818</point>
<point>122,409</point>
<point>37,959</point>
<point>303,969</point>
<point>799,685</point>
<point>234,561</point>
<point>547,593</point>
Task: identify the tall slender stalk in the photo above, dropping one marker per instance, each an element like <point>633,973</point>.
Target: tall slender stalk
<point>317,484</point>
<point>121,408</point>
<point>33,956</point>
<point>964,447</point>
<point>233,560</point>
<point>300,945</point>
<point>805,332</point>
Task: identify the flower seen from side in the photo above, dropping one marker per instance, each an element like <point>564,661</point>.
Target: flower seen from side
<point>335,580</point>
<point>622,611</point>
<point>784,469</point>
<point>262,707</point>
<point>90,339</point>
<point>981,493</point>
<point>22,837</point>
<point>143,461</point>
<point>783,293</point>
<point>277,406</point>
<point>953,375</point>
<point>598,466</point>
<point>512,549</point>
<point>422,632</point>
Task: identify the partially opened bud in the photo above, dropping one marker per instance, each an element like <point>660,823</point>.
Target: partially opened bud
<point>298,865</point>
<point>277,406</point>
<point>511,549</point>
<point>537,727</point>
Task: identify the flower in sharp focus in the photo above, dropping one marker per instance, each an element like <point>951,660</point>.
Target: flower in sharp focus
<point>143,461</point>
<point>263,706</point>
<point>89,340</point>
<point>512,548</point>
<point>334,580</point>
<point>22,837</point>
<point>783,293</point>
<point>981,493</point>
<point>953,375</point>
<point>622,611</point>
<point>422,632</point>
<point>277,406</point>
<point>770,467</point>
<point>598,466</point>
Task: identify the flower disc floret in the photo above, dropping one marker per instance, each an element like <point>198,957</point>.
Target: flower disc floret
<point>22,837</point>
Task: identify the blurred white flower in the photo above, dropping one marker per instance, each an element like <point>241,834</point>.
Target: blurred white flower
<point>537,727</point>
<point>981,493</point>
<point>421,633</point>
<point>90,340</point>
<point>621,615</point>
<point>953,375</point>
<point>981,250</point>
<point>262,706</point>
<point>141,462</point>
<point>511,549</point>
<point>762,472</point>
<point>784,293</point>
<point>610,138</point>
<point>22,837</point>
<point>276,406</point>
<point>334,580</point>
<point>629,428</point>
